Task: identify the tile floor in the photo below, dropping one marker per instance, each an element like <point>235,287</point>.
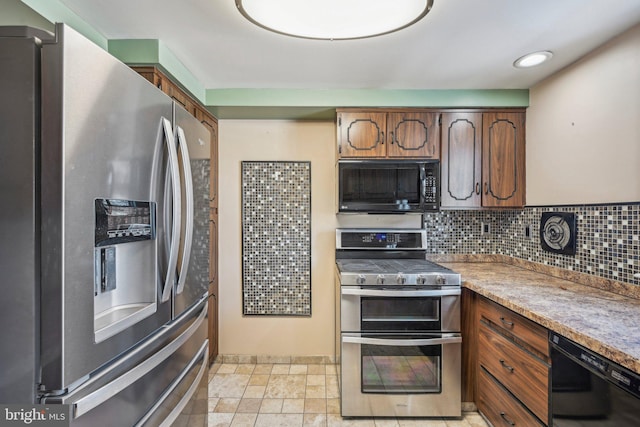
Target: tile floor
<point>292,395</point>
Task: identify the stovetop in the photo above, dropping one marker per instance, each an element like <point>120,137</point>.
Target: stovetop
<point>407,272</point>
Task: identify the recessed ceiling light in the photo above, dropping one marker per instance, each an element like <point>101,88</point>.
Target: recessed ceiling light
<point>533,59</point>
<point>334,19</point>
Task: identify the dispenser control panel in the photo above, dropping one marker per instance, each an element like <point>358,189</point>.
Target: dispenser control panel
<point>123,221</point>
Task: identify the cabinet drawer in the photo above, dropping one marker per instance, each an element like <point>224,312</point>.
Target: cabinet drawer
<point>526,376</point>
<point>523,329</point>
<point>500,407</point>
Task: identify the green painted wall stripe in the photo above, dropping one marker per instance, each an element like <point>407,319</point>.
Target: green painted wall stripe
<point>176,68</point>
<point>368,98</point>
<point>155,52</point>
<point>140,51</point>
<point>55,11</point>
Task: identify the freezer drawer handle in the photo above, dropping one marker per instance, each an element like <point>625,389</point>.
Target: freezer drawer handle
<point>402,343</point>
<point>203,353</point>
<point>176,198</point>
<point>188,183</point>
<point>103,394</point>
<point>399,293</point>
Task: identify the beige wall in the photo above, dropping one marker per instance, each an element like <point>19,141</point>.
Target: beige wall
<point>277,140</point>
<point>583,129</point>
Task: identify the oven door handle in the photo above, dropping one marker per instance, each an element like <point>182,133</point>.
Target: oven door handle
<point>402,342</point>
<point>398,293</point>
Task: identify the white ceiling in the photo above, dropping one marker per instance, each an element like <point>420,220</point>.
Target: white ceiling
<point>461,44</point>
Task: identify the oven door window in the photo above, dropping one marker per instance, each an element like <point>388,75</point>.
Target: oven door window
<point>400,314</point>
<point>400,369</point>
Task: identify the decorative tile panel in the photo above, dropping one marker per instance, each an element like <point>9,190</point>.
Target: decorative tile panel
<point>608,243</point>
<point>276,238</point>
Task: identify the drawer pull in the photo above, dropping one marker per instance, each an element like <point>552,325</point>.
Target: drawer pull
<point>504,417</point>
<point>506,323</point>
<point>505,366</point>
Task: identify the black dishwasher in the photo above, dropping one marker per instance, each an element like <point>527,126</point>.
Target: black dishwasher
<point>590,390</point>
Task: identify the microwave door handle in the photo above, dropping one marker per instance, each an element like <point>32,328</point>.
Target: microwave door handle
<point>176,211</point>
<point>400,293</point>
<point>188,185</point>
<point>402,342</point>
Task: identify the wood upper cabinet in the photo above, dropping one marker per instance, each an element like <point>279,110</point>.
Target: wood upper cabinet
<point>503,159</point>
<point>211,124</point>
<point>483,159</point>
<point>461,163</point>
<point>380,134</point>
<point>413,135</point>
<point>362,134</point>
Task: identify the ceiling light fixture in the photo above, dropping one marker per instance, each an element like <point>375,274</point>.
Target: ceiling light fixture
<point>334,19</point>
<point>533,59</point>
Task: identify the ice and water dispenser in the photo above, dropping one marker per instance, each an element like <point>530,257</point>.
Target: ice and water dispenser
<point>125,271</point>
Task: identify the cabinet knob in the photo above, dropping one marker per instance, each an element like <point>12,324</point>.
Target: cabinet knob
<point>382,133</point>
<point>391,137</point>
<point>477,188</point>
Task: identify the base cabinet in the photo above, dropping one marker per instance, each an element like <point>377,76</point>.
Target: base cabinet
<point>499,405</point>
<point>513,369</point>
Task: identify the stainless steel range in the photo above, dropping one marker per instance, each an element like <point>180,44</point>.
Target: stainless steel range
<point>398,326</point>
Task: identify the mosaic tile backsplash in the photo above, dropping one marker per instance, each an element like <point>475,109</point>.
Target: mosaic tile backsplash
<point>608,243</point>
<point>276,238</point>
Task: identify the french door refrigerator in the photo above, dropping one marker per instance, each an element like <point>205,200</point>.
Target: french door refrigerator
<point>103,303</point>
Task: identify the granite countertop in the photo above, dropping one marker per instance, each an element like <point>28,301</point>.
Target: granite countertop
<point>600,320</point>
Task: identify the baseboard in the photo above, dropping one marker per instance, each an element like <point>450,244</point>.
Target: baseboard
<point>263,359</point>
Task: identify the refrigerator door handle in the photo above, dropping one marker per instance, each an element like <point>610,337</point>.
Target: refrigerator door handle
<point>203,353</point>
<point>188,185</point>
<point>176,210</point>
<point>101,395</point>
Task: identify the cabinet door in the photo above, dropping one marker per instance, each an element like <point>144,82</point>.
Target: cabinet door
<point>499,406</point>
<point>503,159</point>
<point>212,125</point>
<point>413,135</point>
<point>361,134</point>
<point>461,163</point>
<point>178,95</point>
<point>524,375</point>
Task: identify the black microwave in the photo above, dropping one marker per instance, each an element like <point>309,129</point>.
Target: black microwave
<point>388,186</point>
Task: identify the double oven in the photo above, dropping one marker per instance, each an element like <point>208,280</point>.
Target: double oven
<point>398,327</point>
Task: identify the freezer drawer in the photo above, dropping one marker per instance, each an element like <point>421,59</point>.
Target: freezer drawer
<point>159,383</point>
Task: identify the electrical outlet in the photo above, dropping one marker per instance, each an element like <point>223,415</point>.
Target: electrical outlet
<point>527,231</point>
<point>485,228</point>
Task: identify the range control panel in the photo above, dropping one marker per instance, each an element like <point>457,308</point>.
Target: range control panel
<point>380,239</point>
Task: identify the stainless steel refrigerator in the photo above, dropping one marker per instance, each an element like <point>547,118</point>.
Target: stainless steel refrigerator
<point>104,303</point>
